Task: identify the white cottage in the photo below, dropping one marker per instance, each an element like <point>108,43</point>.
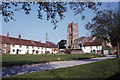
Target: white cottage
<point>92,47</point>
<point>23,46</point>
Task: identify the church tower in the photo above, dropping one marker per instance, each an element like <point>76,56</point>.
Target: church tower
<point>72,34</point>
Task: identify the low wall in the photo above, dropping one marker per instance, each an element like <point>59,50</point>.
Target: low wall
<point>76,51</point>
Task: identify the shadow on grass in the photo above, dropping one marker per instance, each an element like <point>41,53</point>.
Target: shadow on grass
<point>114,77</point>
<point>24,62</point>
<point>9,71</point>
<point>18,63</point>
<point>77,58</point>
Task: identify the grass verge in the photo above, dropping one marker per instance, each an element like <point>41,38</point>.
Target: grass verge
<point>102,69</point>
<point>14,60</point>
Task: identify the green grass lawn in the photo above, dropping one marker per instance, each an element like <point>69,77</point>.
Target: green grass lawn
<point>12,60</point>
<point>101,69</point>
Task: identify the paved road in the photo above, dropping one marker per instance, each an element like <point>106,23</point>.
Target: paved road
<point>8,71</point>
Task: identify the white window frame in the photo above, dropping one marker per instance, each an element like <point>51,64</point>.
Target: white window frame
<point>90,47</point>
<point>13,50</point>
<point>27,47</point>
<point>84,47</point>
<point>13,45</point>
<point>42,48</point>
<point>0,49</point>
<point>4,50</point>
<point>5,45</point>
<point>20,46</point>
<point>97,47</point>
<point>27,51</point>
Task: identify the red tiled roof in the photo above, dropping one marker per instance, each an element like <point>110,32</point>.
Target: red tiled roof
<point>4,39</point>
<point>17,41</point>
<point>95,43</point>
<point>39,44</point>
<point>50,45</point>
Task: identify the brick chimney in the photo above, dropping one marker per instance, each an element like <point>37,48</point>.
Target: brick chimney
<point>19,36</point>
<point>103,44</point>
<point>40,41</point>
<point>72,23</point>
<point>7,34</point>
<point>47,42</point>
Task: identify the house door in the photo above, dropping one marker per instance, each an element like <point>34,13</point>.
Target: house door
<point>17,52</point>
<point>33,51</point>
<point>105,52</point>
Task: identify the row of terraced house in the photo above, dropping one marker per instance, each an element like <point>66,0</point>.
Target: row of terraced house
<point>10,45</point>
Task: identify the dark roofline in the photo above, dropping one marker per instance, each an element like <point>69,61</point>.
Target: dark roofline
<point>26,42</point>
<point>95,43</point>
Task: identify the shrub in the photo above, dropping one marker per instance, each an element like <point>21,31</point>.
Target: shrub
<point>115,52</point>
<point>27,53</point>
<point>58,59</point>
<point>42,60</point>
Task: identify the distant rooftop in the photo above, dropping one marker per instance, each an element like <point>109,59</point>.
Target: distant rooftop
<point>19,41</point>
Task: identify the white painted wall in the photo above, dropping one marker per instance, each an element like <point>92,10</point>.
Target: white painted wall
<point>23,49</point>
<point>42,50</point>
<point>87,49</point>
<point>55,52</point>
<point>50,50</point>
<point>15,47</point>
<point>30,48</point>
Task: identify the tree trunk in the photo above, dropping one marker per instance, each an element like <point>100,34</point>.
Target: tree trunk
<point>118,52</point>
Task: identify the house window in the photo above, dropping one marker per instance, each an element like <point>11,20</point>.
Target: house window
<point>13,45</point>
<point>0,49</point>
<point>37,52</point>
<point>27,47</point>
<point>32,47</point>
<point>90,47</point>
<point>4,50</point>
<point>96,46</point>
<point>38,47</point>
<point>97,51</point>
<point>13,50</point>
<point>41,51</point>
<point>20,50</point>
<point>80,46</point>
<point>5,45</point>
<point>8,51</point>
<point>45,51</point>
<point>20,46</point>
<point>84,47</point>
<point>94,51</point>
<point>48,52</point>
<point>33,50</point>
<point>91,51</point>
<point>27,51</point>
<point>42,47</point>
